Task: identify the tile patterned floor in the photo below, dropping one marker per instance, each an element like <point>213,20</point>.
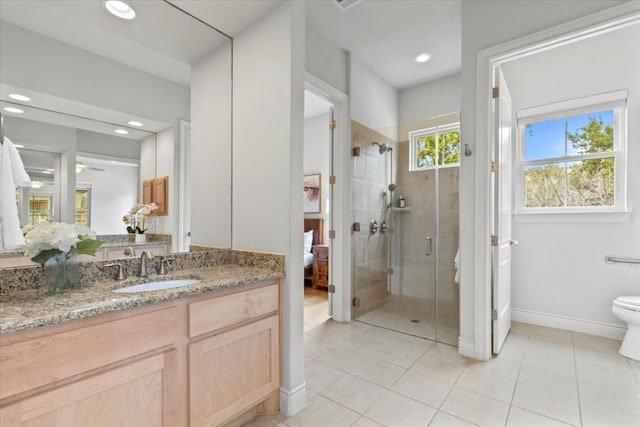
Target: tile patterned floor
<point>363,376</point>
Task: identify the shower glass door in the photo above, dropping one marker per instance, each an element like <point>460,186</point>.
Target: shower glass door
<point>414,258</point>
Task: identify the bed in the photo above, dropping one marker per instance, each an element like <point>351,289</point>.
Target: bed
<point>313,228</point>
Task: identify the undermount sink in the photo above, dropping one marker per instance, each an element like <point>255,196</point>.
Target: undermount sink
<point>157,285</point>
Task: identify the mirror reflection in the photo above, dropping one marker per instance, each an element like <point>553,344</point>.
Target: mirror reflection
<point>106,110</point>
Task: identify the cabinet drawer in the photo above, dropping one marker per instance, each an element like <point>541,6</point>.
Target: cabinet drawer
<point>44,360</point>
<point>217,313</point>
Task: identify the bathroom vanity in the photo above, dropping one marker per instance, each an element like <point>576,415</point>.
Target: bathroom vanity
<point>197,355</point>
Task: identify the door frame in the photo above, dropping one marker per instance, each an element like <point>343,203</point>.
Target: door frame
<point>340,247</point>
<point>487,61</point>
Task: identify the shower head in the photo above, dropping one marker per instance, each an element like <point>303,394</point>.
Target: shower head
<point>392,187</point>
<point>382,147</point>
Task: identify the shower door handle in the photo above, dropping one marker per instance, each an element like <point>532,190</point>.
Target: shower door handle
<point>429,245</point>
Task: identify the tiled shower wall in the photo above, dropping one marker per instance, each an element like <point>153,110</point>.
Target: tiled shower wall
<point>369,185</point>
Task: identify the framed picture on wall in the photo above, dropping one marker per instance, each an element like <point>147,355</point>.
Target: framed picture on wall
<point>312,193</point>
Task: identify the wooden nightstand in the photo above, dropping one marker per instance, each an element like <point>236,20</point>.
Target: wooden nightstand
<point>321,265</point>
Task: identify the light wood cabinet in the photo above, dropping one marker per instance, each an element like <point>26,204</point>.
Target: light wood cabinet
<point>230,372</point>
<point>134,394</point>
<point>154,190</point>
<point>195,361</point>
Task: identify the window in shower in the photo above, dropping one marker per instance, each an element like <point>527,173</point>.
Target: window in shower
<point>434,147</point>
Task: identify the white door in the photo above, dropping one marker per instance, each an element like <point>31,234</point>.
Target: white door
<point>501,205</point>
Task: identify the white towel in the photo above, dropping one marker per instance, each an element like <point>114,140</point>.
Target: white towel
<point>12,174</point>
<point>456,264</point>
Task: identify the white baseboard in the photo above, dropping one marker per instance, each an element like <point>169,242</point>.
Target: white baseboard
<point>590,327</point>
<point>294,401</point>
<point>466,347</point>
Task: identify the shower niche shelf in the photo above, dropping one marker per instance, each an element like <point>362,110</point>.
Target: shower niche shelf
<point>408,208</point>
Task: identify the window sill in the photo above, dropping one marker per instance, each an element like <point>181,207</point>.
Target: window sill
<point>573,217</point>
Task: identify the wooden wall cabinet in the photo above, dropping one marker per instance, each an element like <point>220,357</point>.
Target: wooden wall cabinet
<point>140,367</point>
<point>155,190</point>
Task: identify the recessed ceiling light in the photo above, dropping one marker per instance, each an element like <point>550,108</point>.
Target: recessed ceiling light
<point>18,145</point>
<point>13,110</point>
<point>47,172</point>
<point>19,97</point>
<point>423,57</point>
<point>121,131</point>
<point>120,9</point>
<point>135,123</point>
<point>36,184</point>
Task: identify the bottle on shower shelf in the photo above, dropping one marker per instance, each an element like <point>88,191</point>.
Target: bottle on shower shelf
<point>401,202</point>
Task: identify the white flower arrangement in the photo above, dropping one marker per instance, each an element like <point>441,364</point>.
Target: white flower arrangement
<point>134,219</point>
<point>50,239</point>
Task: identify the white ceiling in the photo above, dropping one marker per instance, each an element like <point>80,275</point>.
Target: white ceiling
<point>388,34</point>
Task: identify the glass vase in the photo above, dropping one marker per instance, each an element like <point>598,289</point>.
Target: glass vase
<point>61,272</point>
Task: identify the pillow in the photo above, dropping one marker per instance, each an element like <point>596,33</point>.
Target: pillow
<point>308,241</point>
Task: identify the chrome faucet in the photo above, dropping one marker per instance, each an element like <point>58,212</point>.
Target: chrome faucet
<point>143,263</point>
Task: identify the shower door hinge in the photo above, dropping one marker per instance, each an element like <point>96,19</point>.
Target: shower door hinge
<point>389,270</point>
<point>332,234</point>
<point>332,289</point>
<point>494,240</point>
<point>356,302</point>
<point>494,314</point>
<point>494,166</point>
<point>332,124</point>
<point>495,92</point>
<point>332,179</point>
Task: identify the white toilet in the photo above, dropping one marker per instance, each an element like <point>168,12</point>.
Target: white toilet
<point>627,309</point>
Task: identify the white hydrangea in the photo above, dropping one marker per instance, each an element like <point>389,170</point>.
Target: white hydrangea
<point>54,235</point>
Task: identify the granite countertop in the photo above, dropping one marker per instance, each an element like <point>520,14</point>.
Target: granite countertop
<point>29,309</point>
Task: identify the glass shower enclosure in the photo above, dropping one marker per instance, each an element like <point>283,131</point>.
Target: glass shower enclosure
<point>404,254</point>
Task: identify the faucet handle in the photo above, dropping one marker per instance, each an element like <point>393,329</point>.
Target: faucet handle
<point>129,251</point>
<point>120,273</point>
<point>163,265</point>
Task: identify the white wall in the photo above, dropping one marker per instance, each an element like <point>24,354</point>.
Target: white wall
<point>572,248</point>
<point>317,153</point>
<point>107,145</point>
<point>210,149</point>
<point>429,99</point>
<point>268,92</point>
<point>325,60</point>
<point>488,23</point>
<point>113,192</point>
<point>166,166</point>
<point>374,102</point>
<point>32,61</point>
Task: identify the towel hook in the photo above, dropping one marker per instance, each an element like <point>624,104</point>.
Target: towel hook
<point>467,150</point>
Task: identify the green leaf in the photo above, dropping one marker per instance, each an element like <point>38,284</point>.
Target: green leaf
<point>88,246</point>
<point>45,255</point>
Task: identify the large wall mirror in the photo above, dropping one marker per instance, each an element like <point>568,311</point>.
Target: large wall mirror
<point>113,102</point>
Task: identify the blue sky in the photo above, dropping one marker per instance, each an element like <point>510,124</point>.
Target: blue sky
<point>547,139</point>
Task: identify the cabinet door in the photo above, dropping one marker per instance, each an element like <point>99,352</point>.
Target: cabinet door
<point>141,393</point>
<point>147,191</point>
<point>160,195</point>
<point>231,372</point>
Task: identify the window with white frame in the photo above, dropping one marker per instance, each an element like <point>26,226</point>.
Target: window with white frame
<point>571,156</point>
<point>434,147</point>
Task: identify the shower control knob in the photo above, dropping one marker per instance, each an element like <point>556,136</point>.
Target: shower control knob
<point>384,227</point>
<point>373,226</point>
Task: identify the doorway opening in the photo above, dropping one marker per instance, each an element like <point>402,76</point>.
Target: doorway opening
<point>317,169</point>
